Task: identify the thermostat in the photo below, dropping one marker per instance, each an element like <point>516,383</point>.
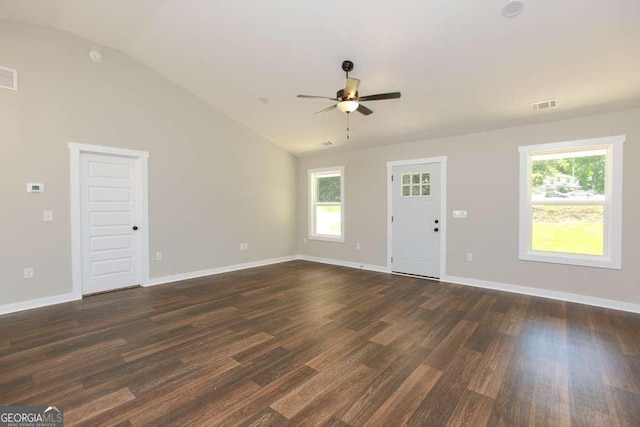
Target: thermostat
<point>35,188</point>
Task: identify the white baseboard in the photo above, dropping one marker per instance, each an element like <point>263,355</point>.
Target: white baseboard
<point>36,303</point>
<point>544,293</point>
<point>57,299</point>
<point>209,272</point>
<point>369,267</point>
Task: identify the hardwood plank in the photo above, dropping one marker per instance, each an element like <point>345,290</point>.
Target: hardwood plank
<point>331,400</point>
<point>440,356</point>
<point>513,402</point>
<point>624,407</point>
<point>551,395</point>
<point>513,319</point>
<point>202,415</point>
<point>228,350</point>
<point>268,417</point>
<point>391,371</point>
<point>492,368</point>
<point>617,368</point>
<point>480,308</point>
<point>259,402</point>
<point>406,398</point>
<point>82,413</point>
<point>297,399</point>
<point>327,358</point>
<point>472,409</point>
<point>437,407</point>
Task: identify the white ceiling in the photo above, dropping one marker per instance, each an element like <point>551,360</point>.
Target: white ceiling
<point>460,65</point>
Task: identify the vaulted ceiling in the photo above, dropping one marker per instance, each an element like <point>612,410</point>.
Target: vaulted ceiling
<point>461,66</point>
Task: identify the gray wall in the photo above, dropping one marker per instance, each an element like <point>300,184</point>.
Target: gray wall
<point>483,179</point>
<point>213,183</point>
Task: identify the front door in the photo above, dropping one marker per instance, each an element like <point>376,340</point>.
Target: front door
<point>416,222</point>
<point>109,204</point>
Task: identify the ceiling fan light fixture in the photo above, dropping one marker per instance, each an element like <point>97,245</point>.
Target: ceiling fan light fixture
<point>348,106</point>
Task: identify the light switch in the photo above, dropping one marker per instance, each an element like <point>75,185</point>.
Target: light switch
<point>47,216</point>
<point>459,214</point>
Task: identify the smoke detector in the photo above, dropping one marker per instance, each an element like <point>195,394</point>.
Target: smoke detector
<point>95,55</point>
<point>513,9</point>
<point>544,105</point>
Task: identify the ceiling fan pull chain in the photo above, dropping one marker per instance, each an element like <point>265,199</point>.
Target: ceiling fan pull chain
<point>347,126</point>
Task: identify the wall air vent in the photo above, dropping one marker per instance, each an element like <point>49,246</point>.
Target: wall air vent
<point>8,78</point>
<point>544,105</point>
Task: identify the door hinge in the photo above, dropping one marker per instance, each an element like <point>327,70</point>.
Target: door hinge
<point>391,218</point>
<point>391,177</point>
<point>391,260</point>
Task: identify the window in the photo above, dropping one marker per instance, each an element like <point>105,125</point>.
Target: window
<point>416,184</point>
<point>326,210</point>
<point>571,202</point>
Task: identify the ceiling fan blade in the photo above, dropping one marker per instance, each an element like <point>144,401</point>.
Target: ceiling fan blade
<point>320,97</point>
<point>325,110</point>
<point>351,88</point>
<point>380,96</point>
<point>364,110</point>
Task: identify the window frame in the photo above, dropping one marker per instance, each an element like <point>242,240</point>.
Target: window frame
<point>312,175</point>
<point>612,257</point>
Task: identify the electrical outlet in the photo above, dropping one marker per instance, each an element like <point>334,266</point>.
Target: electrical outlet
<point>304,241</point>
<point>357,245</point>
<point>47,216</point>
<point>470,257</point>
<point>244,246</point>
<point>28,273</point>
<point>158,256</point>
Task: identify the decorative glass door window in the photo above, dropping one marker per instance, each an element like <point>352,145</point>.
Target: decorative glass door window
<point>416,184</point>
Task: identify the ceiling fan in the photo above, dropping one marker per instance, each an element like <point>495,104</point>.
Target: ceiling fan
<point>348,99</point>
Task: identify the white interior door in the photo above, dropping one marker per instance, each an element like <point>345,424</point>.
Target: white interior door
<point>416,223</point>
<point>109,204</point>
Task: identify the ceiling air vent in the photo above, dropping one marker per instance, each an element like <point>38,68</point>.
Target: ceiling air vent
<point>544,105</point>
<point>8,78</point>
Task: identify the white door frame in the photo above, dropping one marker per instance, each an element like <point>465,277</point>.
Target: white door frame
<point>76,224</point>
<point>443,206</point>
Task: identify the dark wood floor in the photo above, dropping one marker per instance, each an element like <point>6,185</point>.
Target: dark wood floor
<point>311,344</point>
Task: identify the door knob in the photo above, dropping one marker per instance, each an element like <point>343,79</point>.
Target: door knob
<point>135,227</point>
<point>435,229</point>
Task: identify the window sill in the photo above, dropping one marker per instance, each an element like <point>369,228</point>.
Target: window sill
<point>569,259</point>
<point>327,239</point>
